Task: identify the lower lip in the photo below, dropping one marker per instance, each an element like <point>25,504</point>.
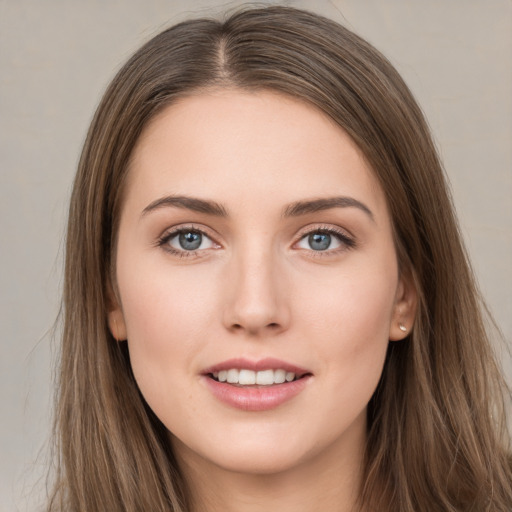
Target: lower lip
<point>261,398</point>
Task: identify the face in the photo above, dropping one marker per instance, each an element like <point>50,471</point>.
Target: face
<point>257,280</point>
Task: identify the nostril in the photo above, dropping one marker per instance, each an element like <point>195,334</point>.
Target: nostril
<point>273,326</point>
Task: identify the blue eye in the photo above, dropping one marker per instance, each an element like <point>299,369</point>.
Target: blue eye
<point>187,240</point>
<point>319,241</point>
<point>323,240</point>
<point>190,241</point>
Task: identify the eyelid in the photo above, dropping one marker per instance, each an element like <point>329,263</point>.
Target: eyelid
<point>173,231</point>
<point>346,239</point>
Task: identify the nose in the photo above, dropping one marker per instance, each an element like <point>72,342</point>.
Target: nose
<point>256,302</point>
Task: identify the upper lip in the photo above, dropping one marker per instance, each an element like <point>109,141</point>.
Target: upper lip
<point>268,363</point>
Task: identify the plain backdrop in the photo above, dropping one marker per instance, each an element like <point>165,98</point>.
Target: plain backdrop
<point>57,56</point>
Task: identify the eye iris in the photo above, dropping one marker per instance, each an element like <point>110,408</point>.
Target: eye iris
<point>190,241</point>
<point>319,241</point>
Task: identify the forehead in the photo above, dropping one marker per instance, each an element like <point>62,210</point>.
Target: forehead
<point>235,145</point>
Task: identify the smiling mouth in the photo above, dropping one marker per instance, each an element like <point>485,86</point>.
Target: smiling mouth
<point>256,385</point>
<point>244,377</point>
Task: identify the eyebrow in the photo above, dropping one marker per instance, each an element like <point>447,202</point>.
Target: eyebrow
<point>318,205</point>
<point>187,203</point>
<point>293,210</point>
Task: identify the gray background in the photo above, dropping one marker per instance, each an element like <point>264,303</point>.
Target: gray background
<point>56,57</point>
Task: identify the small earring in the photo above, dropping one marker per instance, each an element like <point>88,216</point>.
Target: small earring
<point>402,327</point>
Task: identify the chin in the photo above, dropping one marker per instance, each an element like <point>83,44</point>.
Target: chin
<point>261,455</point>
<point>264,462</point>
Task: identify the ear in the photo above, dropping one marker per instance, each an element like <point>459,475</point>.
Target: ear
<point>117,325</point>
<point>115,317</point>
<point>404,309</point>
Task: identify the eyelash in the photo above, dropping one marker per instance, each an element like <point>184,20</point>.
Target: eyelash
<point>164,240</point>
<point>347,241</point>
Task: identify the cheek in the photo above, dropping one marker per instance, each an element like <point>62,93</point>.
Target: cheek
<point>162,302</point>
<point>167,316</point>
<point>355,305</point>
<point>350,323</point>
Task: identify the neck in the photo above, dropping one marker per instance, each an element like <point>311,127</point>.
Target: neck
<point>328,481</point>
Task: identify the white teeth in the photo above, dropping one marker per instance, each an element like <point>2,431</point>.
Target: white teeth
<point>233,376</point>
<point>279,376</point>
<point>265,378</point>
<point>245,377</point>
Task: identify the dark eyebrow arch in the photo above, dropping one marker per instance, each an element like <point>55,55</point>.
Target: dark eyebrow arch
<point>187,203</point>
<point>318,205</point>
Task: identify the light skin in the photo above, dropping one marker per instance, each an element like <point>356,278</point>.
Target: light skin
<point>296,262</point>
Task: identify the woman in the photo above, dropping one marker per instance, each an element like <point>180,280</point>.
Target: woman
<point>267,302</point>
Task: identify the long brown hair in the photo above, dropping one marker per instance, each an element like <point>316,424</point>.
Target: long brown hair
<point>437,437</point>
